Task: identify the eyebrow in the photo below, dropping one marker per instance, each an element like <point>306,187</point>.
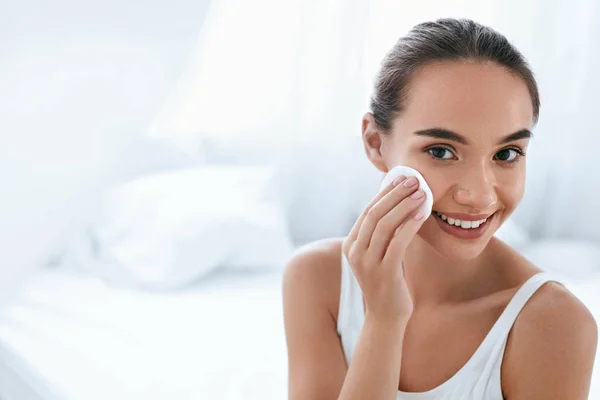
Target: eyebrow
<point>440,133</point>
<point>522,134</point>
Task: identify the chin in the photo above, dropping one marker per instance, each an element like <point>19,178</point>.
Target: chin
<point>455,243</point>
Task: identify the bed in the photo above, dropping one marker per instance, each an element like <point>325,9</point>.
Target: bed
<point>70,336</point>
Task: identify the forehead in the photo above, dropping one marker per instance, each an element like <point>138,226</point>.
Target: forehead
<point>470,98</point>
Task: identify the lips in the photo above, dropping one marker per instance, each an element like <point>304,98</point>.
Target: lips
<point>465,227</point>
<point>463,223</point>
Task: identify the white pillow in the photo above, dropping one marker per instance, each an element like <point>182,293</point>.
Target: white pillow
<point>165,230</point>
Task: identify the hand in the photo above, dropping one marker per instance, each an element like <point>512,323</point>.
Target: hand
<point>376,246</point>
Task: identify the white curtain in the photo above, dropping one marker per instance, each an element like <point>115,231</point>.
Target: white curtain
<point>80,81</point>
<point>271,73</point>
<point>271,70</point>
<point>267,71</point>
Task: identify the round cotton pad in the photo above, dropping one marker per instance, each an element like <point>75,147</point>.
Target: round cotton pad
<point>400,170</point>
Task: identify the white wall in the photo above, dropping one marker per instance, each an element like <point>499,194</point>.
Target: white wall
<point>79,84</point>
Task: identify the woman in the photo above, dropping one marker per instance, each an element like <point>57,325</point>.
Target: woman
<point>437,308</point>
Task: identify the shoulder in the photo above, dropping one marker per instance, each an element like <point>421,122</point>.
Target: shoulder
<point>556,313</point>
<point>551,348</point>
<point>313,273</point>
<point>552,305</point>
<point>311,287</point>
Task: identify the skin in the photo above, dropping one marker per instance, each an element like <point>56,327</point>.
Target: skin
<point>458,287</point>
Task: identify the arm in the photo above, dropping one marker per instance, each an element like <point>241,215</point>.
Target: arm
<point>375,368</point>
<point>552,349</point>
<point>375,249</point>
<point>316,364</point>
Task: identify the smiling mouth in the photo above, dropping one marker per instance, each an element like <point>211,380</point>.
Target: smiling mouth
<point>463,224</point>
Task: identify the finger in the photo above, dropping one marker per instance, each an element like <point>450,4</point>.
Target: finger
<point>355,229</point>
<point>388,225</point>
<point>381,208</point>
<point>397,247</point>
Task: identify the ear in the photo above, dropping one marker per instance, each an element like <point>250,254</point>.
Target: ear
<point>372,137</point>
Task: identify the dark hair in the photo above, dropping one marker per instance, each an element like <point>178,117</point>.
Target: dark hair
<point>445,39</point>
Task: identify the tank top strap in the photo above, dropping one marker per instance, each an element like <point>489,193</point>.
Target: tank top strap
<point>351,310</point>
<point>503,325</point>
<point>525,292</point>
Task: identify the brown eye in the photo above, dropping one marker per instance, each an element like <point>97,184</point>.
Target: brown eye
<point>506,155</point>
<point>440,153</point>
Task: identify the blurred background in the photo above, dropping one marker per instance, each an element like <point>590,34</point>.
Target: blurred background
<point>160,161</point>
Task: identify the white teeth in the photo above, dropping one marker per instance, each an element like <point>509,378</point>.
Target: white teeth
<point>460,223</point>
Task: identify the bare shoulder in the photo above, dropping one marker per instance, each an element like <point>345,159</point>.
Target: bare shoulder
<point>551,347</point>
<point>551,302</point>
<point>554,306</point>
<point>314,272</point>
<point>311,290</point>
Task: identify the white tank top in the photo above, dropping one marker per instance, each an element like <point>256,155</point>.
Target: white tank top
<point>479,378</point>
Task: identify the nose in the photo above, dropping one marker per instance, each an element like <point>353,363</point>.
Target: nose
<point>476,190</point>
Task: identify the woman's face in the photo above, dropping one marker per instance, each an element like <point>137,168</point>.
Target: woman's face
<point>465,127</point>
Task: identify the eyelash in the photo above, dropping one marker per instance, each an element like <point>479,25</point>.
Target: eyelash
<point>520,154</point>
<point>519,151</point>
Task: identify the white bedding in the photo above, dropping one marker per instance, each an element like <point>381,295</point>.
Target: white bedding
<point>72,337</point>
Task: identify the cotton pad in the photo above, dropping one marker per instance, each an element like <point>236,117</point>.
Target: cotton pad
<point>400,170</point>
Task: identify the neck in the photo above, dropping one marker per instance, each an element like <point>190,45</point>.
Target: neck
<point>434,280</point>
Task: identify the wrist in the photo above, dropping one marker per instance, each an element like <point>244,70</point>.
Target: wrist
<point>386,322</point>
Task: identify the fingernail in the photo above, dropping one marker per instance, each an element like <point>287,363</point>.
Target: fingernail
<point>419,215</point>
<point>412,181</point>
<point>398,180</point>
<point>417,195</point>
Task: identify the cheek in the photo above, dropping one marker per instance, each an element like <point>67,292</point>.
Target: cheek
<point>439,182</point>
<point>511,190</point>
<point>511,185</point>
